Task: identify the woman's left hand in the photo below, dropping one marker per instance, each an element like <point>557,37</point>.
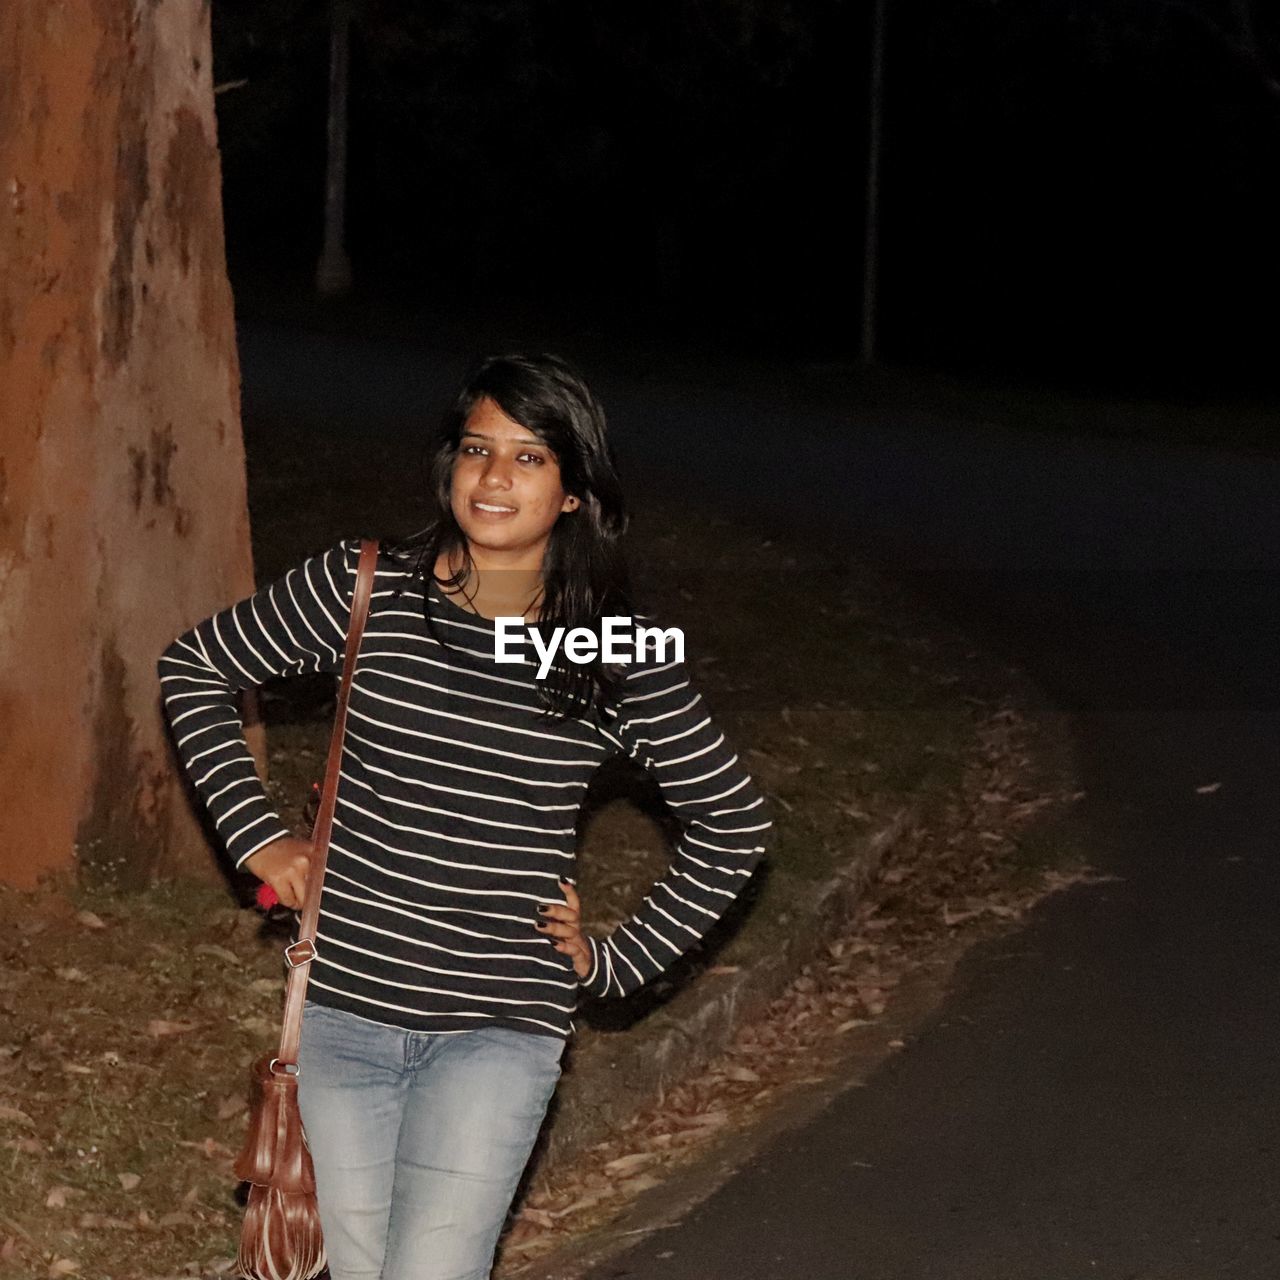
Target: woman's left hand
<point>563,922</point>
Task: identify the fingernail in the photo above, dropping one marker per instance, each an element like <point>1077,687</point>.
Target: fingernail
<point>542,911</point>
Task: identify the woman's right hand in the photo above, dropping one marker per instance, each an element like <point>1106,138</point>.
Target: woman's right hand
<point>284,865</point>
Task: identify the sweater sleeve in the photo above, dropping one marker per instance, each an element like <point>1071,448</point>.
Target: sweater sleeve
<point>663,724</point>
<point>294,626</point>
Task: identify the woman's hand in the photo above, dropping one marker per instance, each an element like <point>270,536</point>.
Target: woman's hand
<point>284,865</point>
<point>562,921</point>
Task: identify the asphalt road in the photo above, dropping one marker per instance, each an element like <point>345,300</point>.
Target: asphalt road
<point>1097,1095</point>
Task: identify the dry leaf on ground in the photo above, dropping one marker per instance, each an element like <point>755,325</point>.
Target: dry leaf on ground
<point>231,1106</point>
<point>164,1027</point>
<point>624,1165</point>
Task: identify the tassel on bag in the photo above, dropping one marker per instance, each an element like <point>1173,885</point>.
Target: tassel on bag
<point>280,1238</point>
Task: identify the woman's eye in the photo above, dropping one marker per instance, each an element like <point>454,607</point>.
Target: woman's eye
<point>472,450</point>
<point>531,457</point>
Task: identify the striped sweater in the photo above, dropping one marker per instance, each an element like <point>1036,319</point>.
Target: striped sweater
<point>457,801</point>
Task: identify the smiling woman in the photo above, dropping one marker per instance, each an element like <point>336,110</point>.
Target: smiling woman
<point>505,491</point>
<point>528,511</point>
<point>449,955</point>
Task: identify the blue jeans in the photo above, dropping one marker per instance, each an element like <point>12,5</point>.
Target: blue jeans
<point>418,1140</point>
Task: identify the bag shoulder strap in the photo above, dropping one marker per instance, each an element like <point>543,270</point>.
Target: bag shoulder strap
<point>298,955</point>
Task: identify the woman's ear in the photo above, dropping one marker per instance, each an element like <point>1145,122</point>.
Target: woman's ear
<point>570,503</point>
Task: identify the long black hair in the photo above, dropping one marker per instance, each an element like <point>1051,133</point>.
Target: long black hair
<point>584,575</point>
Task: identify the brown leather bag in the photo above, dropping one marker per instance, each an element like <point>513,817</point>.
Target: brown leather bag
<point>281,1238</point>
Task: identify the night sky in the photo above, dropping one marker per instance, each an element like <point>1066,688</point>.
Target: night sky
<point>1084,192</point>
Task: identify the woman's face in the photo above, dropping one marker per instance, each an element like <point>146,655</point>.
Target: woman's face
<point>505,492</point>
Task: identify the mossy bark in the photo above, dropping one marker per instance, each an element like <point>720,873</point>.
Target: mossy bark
<point>122,488</point>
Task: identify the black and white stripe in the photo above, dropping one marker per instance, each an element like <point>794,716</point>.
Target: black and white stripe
<point>457,801</point>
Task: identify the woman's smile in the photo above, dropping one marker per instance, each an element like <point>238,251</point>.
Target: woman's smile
<point>505,492</point>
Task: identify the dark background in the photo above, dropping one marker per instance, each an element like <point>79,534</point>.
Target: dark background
<point>1083,194</point>
<point>1075,197</point>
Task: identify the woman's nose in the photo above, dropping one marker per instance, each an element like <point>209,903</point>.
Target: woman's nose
<point>497,474</point>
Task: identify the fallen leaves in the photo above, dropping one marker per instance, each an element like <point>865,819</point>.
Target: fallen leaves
<point>103,1064</point>
<point>849,1023</point>
<point>973,909</point>
<point>103,1222</point>
<point>158,1027</point>
<point>624,1165</point>
<point>232,1105</point>
<point>209,1147</point>
<point>584,1202</point>
<point>960,882</point>
<point>873,1000</point>
<point>642,1182</point>
<point>1057,880</point>
<point>708,1120</point>
<point>224,954</point>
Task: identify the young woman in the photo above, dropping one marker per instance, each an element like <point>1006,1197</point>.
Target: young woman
<point>450,949</point>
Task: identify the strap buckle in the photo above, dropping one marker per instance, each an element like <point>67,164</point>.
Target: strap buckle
<point>296,962</point>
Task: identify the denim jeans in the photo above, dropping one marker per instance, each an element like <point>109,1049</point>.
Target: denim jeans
<point>418,1140</point>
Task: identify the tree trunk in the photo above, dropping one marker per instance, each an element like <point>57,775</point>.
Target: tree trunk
<point>869,345</point>
<point>1246,28</point>
<point>122,489</point>
<point>333,273</point>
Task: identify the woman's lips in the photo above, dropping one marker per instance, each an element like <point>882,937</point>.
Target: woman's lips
<point>491,510</point>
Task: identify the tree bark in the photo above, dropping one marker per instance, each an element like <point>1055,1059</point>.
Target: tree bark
<point>1246,29</point>
<point>333,272</point>
<point>869,344</point>
<point>122,490</point>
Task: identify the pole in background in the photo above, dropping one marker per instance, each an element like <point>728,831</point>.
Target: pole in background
<point>871,233</point>
<point>333,272</point>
